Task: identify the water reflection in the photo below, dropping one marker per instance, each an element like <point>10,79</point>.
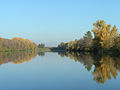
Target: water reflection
<point>105,66</point>
<point>16,57</point>
<point>41,53</point>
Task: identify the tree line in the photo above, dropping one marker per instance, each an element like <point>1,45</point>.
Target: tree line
<point>105,37</point>
<point>16,43</point>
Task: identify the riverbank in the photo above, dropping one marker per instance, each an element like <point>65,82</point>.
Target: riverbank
<point>46,49</point>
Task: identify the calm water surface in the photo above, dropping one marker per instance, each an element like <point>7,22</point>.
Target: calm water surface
<point>58,71</point>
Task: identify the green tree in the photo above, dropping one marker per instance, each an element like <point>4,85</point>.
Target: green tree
<point>41,45</point>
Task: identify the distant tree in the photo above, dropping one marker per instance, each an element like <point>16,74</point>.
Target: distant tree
<point>41,45</point>
<point>62,46</point>
<point>16,44</point>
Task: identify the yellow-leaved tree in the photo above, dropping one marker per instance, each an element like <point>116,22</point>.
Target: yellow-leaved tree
<point>104,35</point>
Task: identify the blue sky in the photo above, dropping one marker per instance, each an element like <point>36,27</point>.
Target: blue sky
<point>54,21</point>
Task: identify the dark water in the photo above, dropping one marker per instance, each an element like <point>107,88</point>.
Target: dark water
<point>58,71</point>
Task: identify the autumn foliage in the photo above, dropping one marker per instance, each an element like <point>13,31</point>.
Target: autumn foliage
<point>16,43</point>
<point>105,37</point>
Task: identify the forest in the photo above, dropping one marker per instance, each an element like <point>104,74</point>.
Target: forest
<point>106,38</point>
<point>16,43</point>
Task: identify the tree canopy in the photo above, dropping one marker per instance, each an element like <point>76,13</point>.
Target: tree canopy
<point>106,37</point>
<point>16,43</point>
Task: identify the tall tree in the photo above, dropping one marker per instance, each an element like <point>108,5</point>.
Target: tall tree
<point>104,35</point>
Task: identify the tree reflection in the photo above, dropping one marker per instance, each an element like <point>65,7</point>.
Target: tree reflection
<point>16,57</point>
<point>86,60</point>
<point>104,69</point>
<point>105,66</point>
<point>41,53</point>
